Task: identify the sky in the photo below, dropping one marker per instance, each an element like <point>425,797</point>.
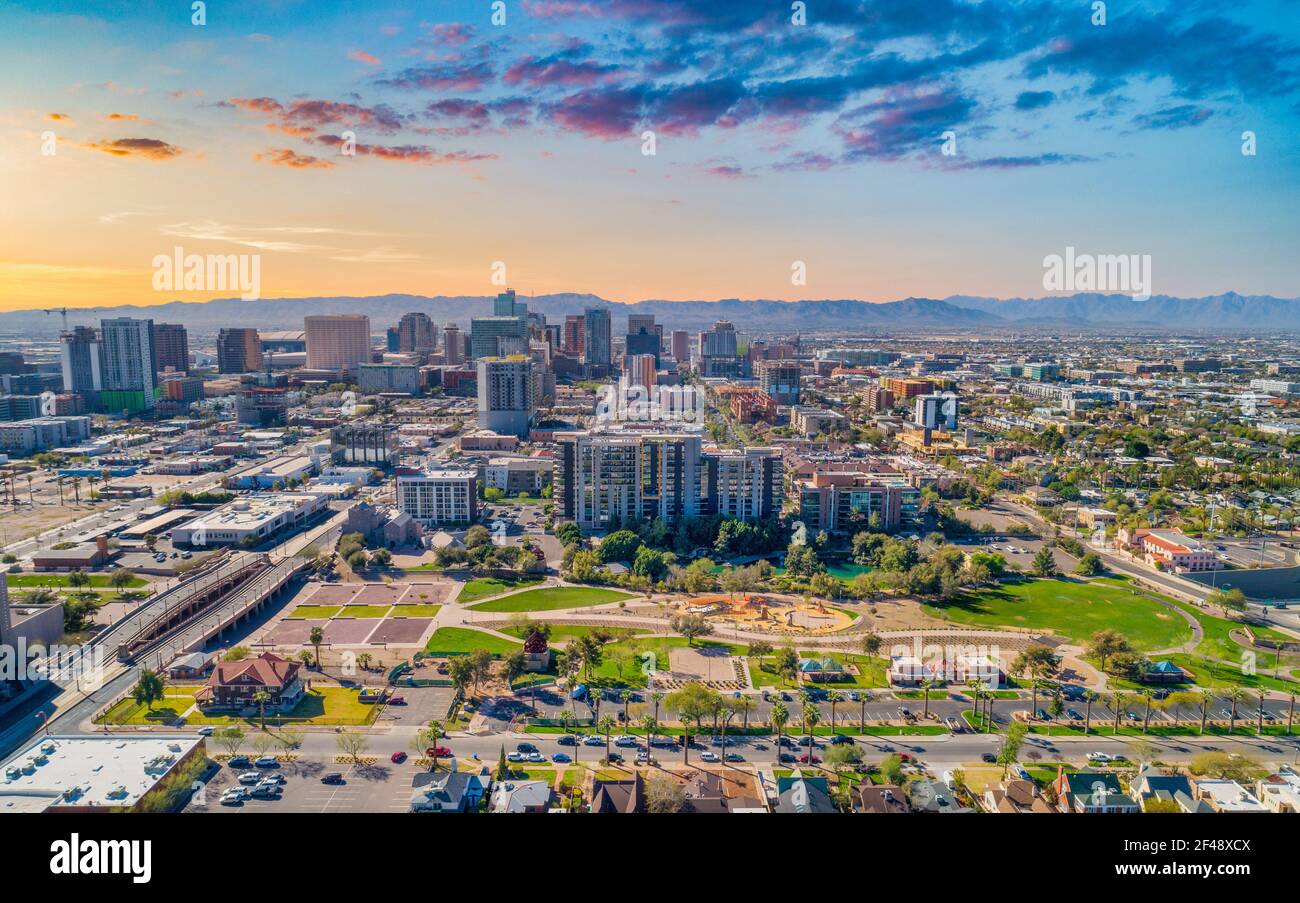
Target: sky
<point>883,150</point>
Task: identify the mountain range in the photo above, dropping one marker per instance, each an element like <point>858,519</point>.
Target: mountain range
<point>1087,311</point>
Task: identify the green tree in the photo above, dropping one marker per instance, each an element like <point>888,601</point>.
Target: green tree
<point>316,637</point>
<point>1044,563</point>
<point>148,689</point>
<point>261,698</point>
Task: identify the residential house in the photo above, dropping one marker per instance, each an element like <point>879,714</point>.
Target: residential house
<point>449,791</point>
<point>1226,796</point>
<point>192,666</point>
<point>521,796</point>
<point>880,798</point>
<point>1090,791</point>
<point>618,796</point>
<point>1279,792</point>
<point>804,795</point>
<point>1015,796</point>
<point>1153,784</point>
<point>934,796</point>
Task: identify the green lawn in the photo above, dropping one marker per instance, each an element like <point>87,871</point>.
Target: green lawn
<point>416,611</point>
<point>552,598</point>
<point>1074,609</point>
<point>483,587</point>
<point>364,611</point>
<point>97,581</point>
<point>464,640</point>
<point>315,611</point>
<point>321,705</point>
<point>427,567</point>
<point>563,632</point>
<point>622,662</point>
<point>165,711</point>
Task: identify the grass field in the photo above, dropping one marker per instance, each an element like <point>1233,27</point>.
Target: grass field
<point>321,705</point>
<point>364,611</point>
<point>563,632</point>
<point>464,640</point>
<point>416,611</point>
<point>1071,608</point>
<point>553,598</point>
<point>165,711</point>
<point>483,587</point>
<point>60,581</point>
<point>315,611</point>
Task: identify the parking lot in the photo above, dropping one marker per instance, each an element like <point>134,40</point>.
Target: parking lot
<point>381,787</point>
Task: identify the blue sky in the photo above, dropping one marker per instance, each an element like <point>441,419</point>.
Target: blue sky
<point>775,142</point>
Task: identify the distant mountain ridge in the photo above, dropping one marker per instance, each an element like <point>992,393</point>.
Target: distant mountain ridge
<point>1229,311</point>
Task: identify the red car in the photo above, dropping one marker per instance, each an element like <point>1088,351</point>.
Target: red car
<point>399,757</point>
<point>397,700</point>
<point>810,760</point>
<point>441,752</point>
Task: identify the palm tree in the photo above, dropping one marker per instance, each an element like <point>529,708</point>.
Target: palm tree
<point>834,697</point>
<point>1259,714</point>
<point>606,726</point>
<point>1119,700</point>
<point>434,733</point>
<point>810,717</point>
<point>780,716</point>
<point>316,637</point>
<point>1149,698</point>
<point>1236,696</point>
<point>1290,715</point>
<point>926,686</point>
<point>626,697</point>
<point>862,700</point>
<point>1089,697</point>
<point>568,720</point>
<point>656,697</point>
<point>649,724</point>
<point>261,697</point>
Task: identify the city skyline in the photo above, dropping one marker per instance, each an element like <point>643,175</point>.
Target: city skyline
<point>778,148</point>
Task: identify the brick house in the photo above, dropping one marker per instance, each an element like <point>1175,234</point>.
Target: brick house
<point>232,685</point>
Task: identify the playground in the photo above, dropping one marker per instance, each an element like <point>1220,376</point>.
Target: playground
<point>771,613</point>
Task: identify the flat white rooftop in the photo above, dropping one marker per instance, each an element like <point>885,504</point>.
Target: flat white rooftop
<point>91,771</point>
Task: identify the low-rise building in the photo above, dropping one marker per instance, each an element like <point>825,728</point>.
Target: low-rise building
<point>437,497</point>
<point>234,685</point>
<point>249,520</point>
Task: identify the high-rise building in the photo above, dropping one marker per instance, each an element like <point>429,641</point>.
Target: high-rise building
<point>239,350</point>
<point>453,345</point>
<point>574,333</point>
<point>853,501</point>
<point>644,339</point>
<point>605,476</point>
<point>365,444</point>
<point>640,370</point>
<point>172,347</point>
<point>717,351</point>
<point>906,387</point>
<point>337,341</point>
<point>743,483</point>
<point>780,379</point>
<point>498,336</point>
<point>879,400</point>
<point>438,497</point>
<point>935,412</point>
<point>81,362</point>
<point>416,333</point>
<point>597,351</point>
<point>130,365</point>
<point>505,305</point>
<point>506,394</point>
<point>681,343</point>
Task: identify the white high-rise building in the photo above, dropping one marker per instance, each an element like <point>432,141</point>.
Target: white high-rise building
<point>604,476</point>
<point>506,394</point>
<point>438,497</point>
<point>129,363</point>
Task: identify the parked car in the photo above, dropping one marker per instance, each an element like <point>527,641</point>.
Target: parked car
<point>397,700</point>
<point>643,757</point>
<point>567,740</point>
<point>267,791</point>
<point>810,760</point>
<point>536,758</point>
<point>239,762</point>
<point>206,731</point>
<point>441,752</point>
<point>515,757</point>
<point>267,762</point>
<point>710,757</point>
<point>250,777</point>
<point>988,757</point>
<point>839,739</point>
<point>332,777</point>
<point>593,740</point>
<point>398,757</point>
<point>1074,714</point>
<point>625,740</point>
<point>235,796</point>
<point>734,757</point>
<point>560,758</point>
<point>525,748</point>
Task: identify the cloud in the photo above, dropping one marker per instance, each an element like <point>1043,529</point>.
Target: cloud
<point>362,57</point>
<point>1172,118</point>
<point>285,156</point>
<point>452,34</point>
<point>408,153</point>
<point>538,72</point>
<point>146,148</point>
<point>446,76</point>
<point>1028,161</point>
<point>902,123</point>
<point>1034,100</point>
<point>58,117</point>
<point>305,117</point>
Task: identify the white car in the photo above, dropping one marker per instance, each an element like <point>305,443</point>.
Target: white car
<point>625,741</point>
<point>710,757</point>
<point>250,777</point>
<point>206,731</point>
<point>233,797</point>
<point>515,757</point>
<point>1098,757</point>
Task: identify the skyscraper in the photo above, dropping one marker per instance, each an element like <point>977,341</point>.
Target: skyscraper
<point>82,372</point>
<point>337,341</point>
<point>498,336</point>
<point>130,364</point>
<point>506,396</point>
<point>506,305</point>
<point>681,342</point>
<point>416,332</point>
<point>574,333</point>
<point>453,346</point>
<point>605,476</point>
<point>239,350</point>
<point>173,347</point>
<point>640,370</point>
<point>597,352</point>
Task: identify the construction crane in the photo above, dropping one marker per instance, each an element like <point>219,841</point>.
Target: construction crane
<point>59,310</point>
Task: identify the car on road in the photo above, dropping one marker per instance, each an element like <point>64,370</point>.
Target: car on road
<point>625,740</point>
<point>560,758</point>
<point>441,752</point>
<point>266,762</point>
<point>235,796</point>
<point>398,757</point>
<point>515,757</point>
<point>333,777</point>
<point>536,758</point>
<point>988,757</point>
<point>250,777</point>
<point>810,760</point>
<point>710,757</point>
<point>239,762</point>
<point>841,738</point>
<point>663,742</point>
<point>643,757</point>
<point>567,740</point>
<point>525,748</point>
<point>593,740</point>
<point>1098,758</point>
<point>786,758</point>
<point>734,757</point>
<point>206,731</point>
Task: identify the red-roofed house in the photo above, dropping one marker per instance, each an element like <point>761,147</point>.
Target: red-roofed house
<point>232,685</point>
<point>1178,552</point>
